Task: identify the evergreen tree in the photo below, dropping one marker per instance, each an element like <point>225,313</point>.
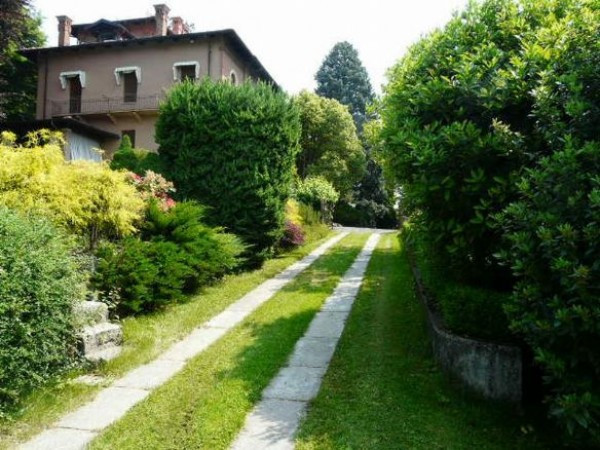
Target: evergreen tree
<point>343,77</point>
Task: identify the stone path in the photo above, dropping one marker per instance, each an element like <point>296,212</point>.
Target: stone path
<point>274,421</point>
<point>75,430</point>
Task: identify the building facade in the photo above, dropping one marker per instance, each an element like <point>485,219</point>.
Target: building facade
<point>113,78</point>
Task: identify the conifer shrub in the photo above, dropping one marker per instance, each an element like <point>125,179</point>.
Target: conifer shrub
<point>174,255</point>
<point>39,284</point>
<point>135,160</point>
<point>232,148</point>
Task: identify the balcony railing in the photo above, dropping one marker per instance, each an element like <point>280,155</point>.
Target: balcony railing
<point>104,105</point>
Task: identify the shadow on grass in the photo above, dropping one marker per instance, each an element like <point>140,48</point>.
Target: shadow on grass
<point>205,406</point>
<point>383,390</point>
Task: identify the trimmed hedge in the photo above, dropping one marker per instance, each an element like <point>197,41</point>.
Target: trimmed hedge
<point>232,148</point>
<point>466,310</point>
<point>39,284</point>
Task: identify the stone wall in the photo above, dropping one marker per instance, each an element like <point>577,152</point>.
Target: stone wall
<point>494,371</point>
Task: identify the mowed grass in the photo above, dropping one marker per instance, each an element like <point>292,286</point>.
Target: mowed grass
<point>205,405</point>
<point>145,337</point>
<point>384,391</point>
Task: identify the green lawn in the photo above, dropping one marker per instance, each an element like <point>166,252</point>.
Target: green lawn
<point>145,338</point>
<point>384,391</point>
<point>205,405</point>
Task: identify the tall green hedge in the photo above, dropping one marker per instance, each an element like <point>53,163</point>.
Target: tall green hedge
<point>458,128</point>
<point>492,129</point>
<point>39,283</point>
<point>552,230</point>
<point>233,149</point>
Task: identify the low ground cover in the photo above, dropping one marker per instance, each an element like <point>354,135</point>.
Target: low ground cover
<point>206,404</point>
<point>145,338</point>
<point>383,390</point>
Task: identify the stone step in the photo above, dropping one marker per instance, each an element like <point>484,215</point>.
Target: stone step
<point>105,353</point>
<point>91,312</point>
<point>96,337</point>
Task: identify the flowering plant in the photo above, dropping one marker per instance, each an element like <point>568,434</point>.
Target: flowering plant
<point>293,235</point>
<point>154,186</point>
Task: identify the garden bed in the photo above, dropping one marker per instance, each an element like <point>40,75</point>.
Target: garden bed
<point>490,369</point>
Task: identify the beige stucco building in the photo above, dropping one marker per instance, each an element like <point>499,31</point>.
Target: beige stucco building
<point>111,80</point>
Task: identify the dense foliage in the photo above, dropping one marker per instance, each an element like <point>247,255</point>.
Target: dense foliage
<point>20,28</point>
<point>458,129</point>
<point>343,77</point>
<point>370,205</point>
<point>135,160</point>
<point>232,148</point>
<point>316,192</point>
<point>86,198</point>
<point>175,254</point>
<point>553,236</point>
<point>467,310</point>
<point>39,284</point>
<point>552,231</point>
<point>329,145</point>
<point>491,130</point>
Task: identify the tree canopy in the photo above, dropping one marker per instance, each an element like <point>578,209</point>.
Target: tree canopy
<point>19,28</point>
<point>330,145</point>
<point>343,77</point>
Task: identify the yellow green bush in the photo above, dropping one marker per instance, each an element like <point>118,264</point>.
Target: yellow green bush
<point>86,198</point>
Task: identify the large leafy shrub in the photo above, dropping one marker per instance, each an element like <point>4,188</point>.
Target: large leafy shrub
<point>491,128</point>
<point>232,148</point>
<point>553,236</point>
<point>458,128</point>
<point>86,198</point>
<point>175,254</point>
<point>552,230</point>
<point>39,284</point>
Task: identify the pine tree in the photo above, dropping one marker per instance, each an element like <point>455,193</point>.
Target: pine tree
<point>343,77</point>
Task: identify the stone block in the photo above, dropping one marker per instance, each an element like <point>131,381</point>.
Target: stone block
<point>151,375</point>
<point>109,406</point>
<point>295,383</point>
<point>271,426</point>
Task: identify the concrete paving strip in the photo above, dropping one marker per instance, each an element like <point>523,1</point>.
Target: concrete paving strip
<point>273,423</point>
<point>77,429</point>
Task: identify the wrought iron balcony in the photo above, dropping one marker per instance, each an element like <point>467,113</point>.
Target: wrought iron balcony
<point>105,105</point>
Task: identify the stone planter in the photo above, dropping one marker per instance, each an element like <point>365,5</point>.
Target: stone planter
<point>492,370</point>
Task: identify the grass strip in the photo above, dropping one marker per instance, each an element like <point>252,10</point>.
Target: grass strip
<point>145,337</point>
<point>384,391</point>
<point>205,405</point>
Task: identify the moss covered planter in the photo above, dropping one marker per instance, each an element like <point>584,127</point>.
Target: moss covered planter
<point>492,370</point>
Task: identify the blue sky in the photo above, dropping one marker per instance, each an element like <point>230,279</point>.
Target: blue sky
<point>291,38</point>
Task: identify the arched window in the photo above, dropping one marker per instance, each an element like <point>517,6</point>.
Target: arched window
<point>233,78</point>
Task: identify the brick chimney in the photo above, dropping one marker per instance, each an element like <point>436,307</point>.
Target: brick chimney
<point>64,30</point>
<point>177,27</point>
<point>162,19</point>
